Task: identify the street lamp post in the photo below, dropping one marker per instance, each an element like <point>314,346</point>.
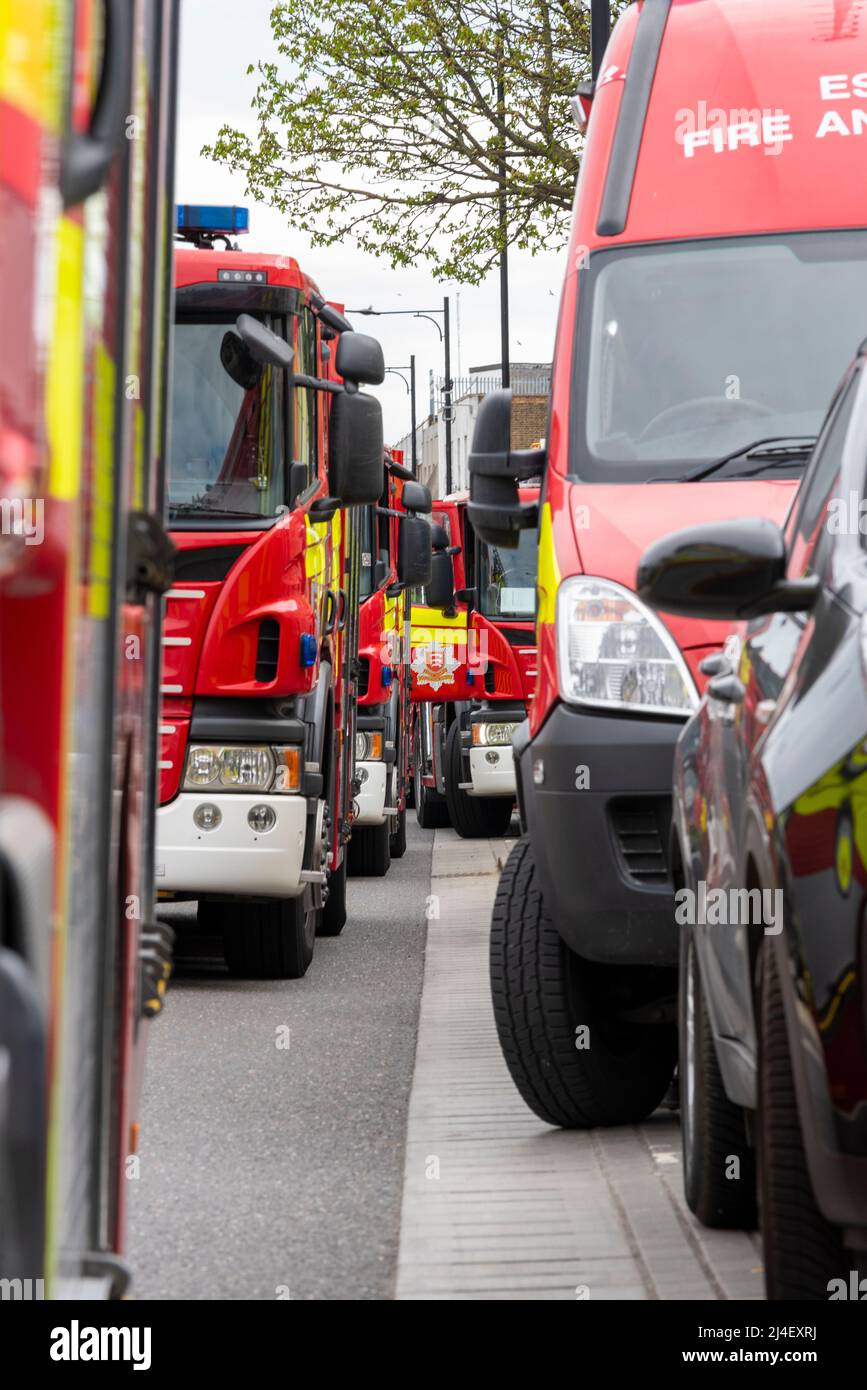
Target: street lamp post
<point>414,451</point>
<point>446,340</point>
<point>410,386</point>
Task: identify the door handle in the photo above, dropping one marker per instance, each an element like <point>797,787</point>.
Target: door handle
<point>343,609</point>
<point>727,688</point>
<point>330,611</point>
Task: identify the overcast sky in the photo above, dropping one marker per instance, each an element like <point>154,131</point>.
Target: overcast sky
<point>218,40</point>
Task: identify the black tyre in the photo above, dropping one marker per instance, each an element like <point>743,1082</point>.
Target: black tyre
<point>802,1251</point>
<point>369,852</point>
<point>431,811</point>
<point>397,842</point>
<point>269,940</point>
<point>333,918</point>
<point>543,994</point>
<point>473,817</point>
<point>713,1130</point>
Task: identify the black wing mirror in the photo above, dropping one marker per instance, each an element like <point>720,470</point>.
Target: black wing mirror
<point>355,448</point>
<point>413,551</point>
<point>495,509</point>
<point>726,570</point>
<point>262,343</point>
<point>416,497</point>
<point>440,588</point>
<point>359,360</point>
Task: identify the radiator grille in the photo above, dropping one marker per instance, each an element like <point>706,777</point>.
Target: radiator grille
<point>641,827</point>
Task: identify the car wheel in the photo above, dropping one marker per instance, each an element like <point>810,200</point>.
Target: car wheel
<point>333,918</point>
<point>369,852</point>
<point>545,997</point>
<point>271,940</point>
<point>719,1175</point>
<point>802,1251</point>
<point>473,817</point>
<point>431,811</point>
<point>397,843</point>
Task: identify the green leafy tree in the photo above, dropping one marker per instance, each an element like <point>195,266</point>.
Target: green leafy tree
<point>401,123</point>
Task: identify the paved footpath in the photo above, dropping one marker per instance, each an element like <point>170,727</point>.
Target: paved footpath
<point>496,1204</point>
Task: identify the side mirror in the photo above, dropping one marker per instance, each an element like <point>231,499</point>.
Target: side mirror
<point>238,362</point>
<point>330,316</point>
<point>416,497</point>
<point>413,551</point>
<point>440,588</point>
<point>355,448</point>
<point>262,344</point>
<point>359,360</point>
<point>494,509</point>
<point>724,569</point>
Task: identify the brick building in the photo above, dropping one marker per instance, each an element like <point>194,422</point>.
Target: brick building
<point>530,387</point>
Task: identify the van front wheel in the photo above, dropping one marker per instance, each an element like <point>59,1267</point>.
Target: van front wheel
<point>576,1063</point>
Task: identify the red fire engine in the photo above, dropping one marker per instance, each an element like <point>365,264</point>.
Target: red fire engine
<point>473,664</point>
<point>395,556</point>
<point>85,288</point>
<point>274,453</point>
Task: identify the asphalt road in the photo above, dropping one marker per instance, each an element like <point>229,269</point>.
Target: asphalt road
<point>271,1171</point>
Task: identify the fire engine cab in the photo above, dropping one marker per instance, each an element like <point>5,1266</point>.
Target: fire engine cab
<point>274,452</point>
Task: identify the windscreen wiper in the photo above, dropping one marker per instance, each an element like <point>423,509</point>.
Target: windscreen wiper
<point>192,509</point>
<point>777,448</point>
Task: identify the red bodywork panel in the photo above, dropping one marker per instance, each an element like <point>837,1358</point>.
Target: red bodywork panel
<point>733,57</point>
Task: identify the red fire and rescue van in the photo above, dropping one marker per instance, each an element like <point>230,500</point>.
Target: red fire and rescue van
<point>473,663</point>
<point>395,556</point>
<point>274,452</point>
<point>85,290</point>
<point>714,294</point>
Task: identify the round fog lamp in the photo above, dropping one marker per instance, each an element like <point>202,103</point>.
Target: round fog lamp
<point>492,758</point>
<point>261,818</point>
<point>362,774</point>
<point>207,816</point>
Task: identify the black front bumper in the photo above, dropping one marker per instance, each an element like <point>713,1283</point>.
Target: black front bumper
<point>600,823</point>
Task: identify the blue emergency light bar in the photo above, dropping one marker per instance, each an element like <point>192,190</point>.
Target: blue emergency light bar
<point>211,221</point>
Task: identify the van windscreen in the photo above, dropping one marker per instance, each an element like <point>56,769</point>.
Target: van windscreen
<point>689,351</point>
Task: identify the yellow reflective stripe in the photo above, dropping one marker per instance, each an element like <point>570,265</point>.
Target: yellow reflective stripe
<point>32,67</point>
<point>314,554</point>
<point>548,579</point>
<point>389,621</point>
<point>65,365</point>
<point>102,501</point>
<point>428,617</point>
<point>336,542</point>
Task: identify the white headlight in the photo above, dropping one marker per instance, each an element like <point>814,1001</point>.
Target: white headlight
<point>246,768</point>
<point>251,768</point>
<point>491,733</point>
<point>613,651</point>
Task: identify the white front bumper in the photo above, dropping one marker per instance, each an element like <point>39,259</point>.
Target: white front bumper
<point>371,797</point>
<point>492,778</point>
<point>232,858</point>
